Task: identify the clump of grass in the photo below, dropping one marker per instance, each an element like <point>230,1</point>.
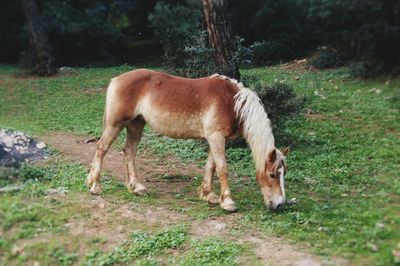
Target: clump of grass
<point>62,257</point>
<point>211,251</point>
<point>140,245</point>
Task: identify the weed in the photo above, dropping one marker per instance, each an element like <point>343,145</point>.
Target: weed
<point>211,251</point>
<point>140,245</point>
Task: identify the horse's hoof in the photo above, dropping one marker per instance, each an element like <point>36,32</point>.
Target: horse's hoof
<point>89,181</point>
<point>138,189</point>
<point>96,189</point>
<point>212,198</point>
<point>228,205</point>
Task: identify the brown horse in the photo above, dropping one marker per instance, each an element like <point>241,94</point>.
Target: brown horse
<point>214,108</point>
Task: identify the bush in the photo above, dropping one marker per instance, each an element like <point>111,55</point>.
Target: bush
<point>175,26</point>
<point>366,31</point>
<point>186,49</point>
<point>198,58</point>
<point>327,58</point>
<point>270,52</point>
<point>280,100</point>
<point>27,172</point>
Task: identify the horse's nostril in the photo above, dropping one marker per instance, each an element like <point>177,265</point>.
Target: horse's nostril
<point>279,206</point>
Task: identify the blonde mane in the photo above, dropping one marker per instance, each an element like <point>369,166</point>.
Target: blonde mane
<point>256,125</point>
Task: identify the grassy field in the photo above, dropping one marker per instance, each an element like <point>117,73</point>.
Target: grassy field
<point>344,170</point>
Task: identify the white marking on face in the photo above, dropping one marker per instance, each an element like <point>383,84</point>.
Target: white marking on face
<point>281,172</point>
<point>277,200</point>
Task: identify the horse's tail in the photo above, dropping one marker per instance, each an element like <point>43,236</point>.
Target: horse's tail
<point>109,94</point>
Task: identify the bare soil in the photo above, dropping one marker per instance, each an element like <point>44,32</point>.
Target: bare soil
<point>113,221</point>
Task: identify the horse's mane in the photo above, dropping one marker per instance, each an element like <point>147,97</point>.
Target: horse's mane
<point>255,122</point>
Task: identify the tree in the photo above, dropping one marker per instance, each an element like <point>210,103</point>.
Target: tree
<point>38,40</point>
<point>220,36</point>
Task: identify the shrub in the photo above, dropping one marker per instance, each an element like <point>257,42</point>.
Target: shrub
<point>186,49</point>
<point>327,58</point>
<point>364,30</point>
<point>269,52</point>
<point>198,58</point>
<point>27,172</point>
<point>280,100</point>
<point>175,26</point>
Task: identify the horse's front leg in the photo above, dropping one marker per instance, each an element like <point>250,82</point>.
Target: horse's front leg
<point>134,134</point>
<point>217,147</point>
<point>206,190</point>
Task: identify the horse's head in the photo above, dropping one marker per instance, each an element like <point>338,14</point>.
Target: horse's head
<point>271,180</point>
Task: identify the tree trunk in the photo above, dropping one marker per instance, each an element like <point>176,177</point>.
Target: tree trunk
<point>38,40</point>
<point>220,36</point>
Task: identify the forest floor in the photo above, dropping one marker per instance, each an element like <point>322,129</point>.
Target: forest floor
<point>342,171</point>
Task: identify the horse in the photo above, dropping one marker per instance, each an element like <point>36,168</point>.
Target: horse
<point>214,108</point>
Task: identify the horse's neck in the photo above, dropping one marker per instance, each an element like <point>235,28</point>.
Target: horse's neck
<point>256,126</point>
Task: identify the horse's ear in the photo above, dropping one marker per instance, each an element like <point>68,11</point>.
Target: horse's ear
<point>285,151</point>
<point>272,155</point>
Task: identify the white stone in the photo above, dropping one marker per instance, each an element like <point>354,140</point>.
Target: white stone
<point>40,145</point>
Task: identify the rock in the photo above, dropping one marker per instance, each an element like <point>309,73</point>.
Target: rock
<point>379,225</point>
<point>291,201</point>
<point>66,69</point>
<point>17,147</point>
<point>16,250</point>
<point>306,262</point>
<point>56,191</point>
<point>372,247</point>
<point>11,188</point>
<point>219,226</point>
<point>40,145</point>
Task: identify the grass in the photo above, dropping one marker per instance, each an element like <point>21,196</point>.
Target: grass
<point>343,169</point>
<point>140,245</point>
<point>211,251</point>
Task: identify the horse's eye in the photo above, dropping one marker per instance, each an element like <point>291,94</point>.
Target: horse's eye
<point>272,175</point>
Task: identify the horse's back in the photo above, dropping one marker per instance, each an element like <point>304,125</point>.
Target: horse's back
<point>174,106</point>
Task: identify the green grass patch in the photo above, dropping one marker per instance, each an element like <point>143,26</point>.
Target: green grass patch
<point>211,251</point>
<point>140,245</point>
<point>343,168</point>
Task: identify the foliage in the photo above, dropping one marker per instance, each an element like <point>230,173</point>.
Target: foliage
<point>326,58</point>
<point>106,32</point>
<point>174,26</point>
<point>279,31</point>
<point>367,31</point>
<point>27,171</point>
<point>140,245</point>
<point>198,58</point>
<point>211,251</point>
<point>280,100</point>
<point>83,32</point>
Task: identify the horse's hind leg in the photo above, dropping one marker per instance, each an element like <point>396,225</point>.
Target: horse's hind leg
<point>206,193</point>
<point>134,134</point>
<point>110,133</point>
<point>217,147</point>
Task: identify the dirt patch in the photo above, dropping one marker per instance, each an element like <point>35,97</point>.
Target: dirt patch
<point>113,221</point>
<point>273,250</point>
<point>96,90</point>
<point>151,170</point>
<point>296,65</point>
<point>315,116</point>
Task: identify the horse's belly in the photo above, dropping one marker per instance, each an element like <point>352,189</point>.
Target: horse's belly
<point>176,125</point>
